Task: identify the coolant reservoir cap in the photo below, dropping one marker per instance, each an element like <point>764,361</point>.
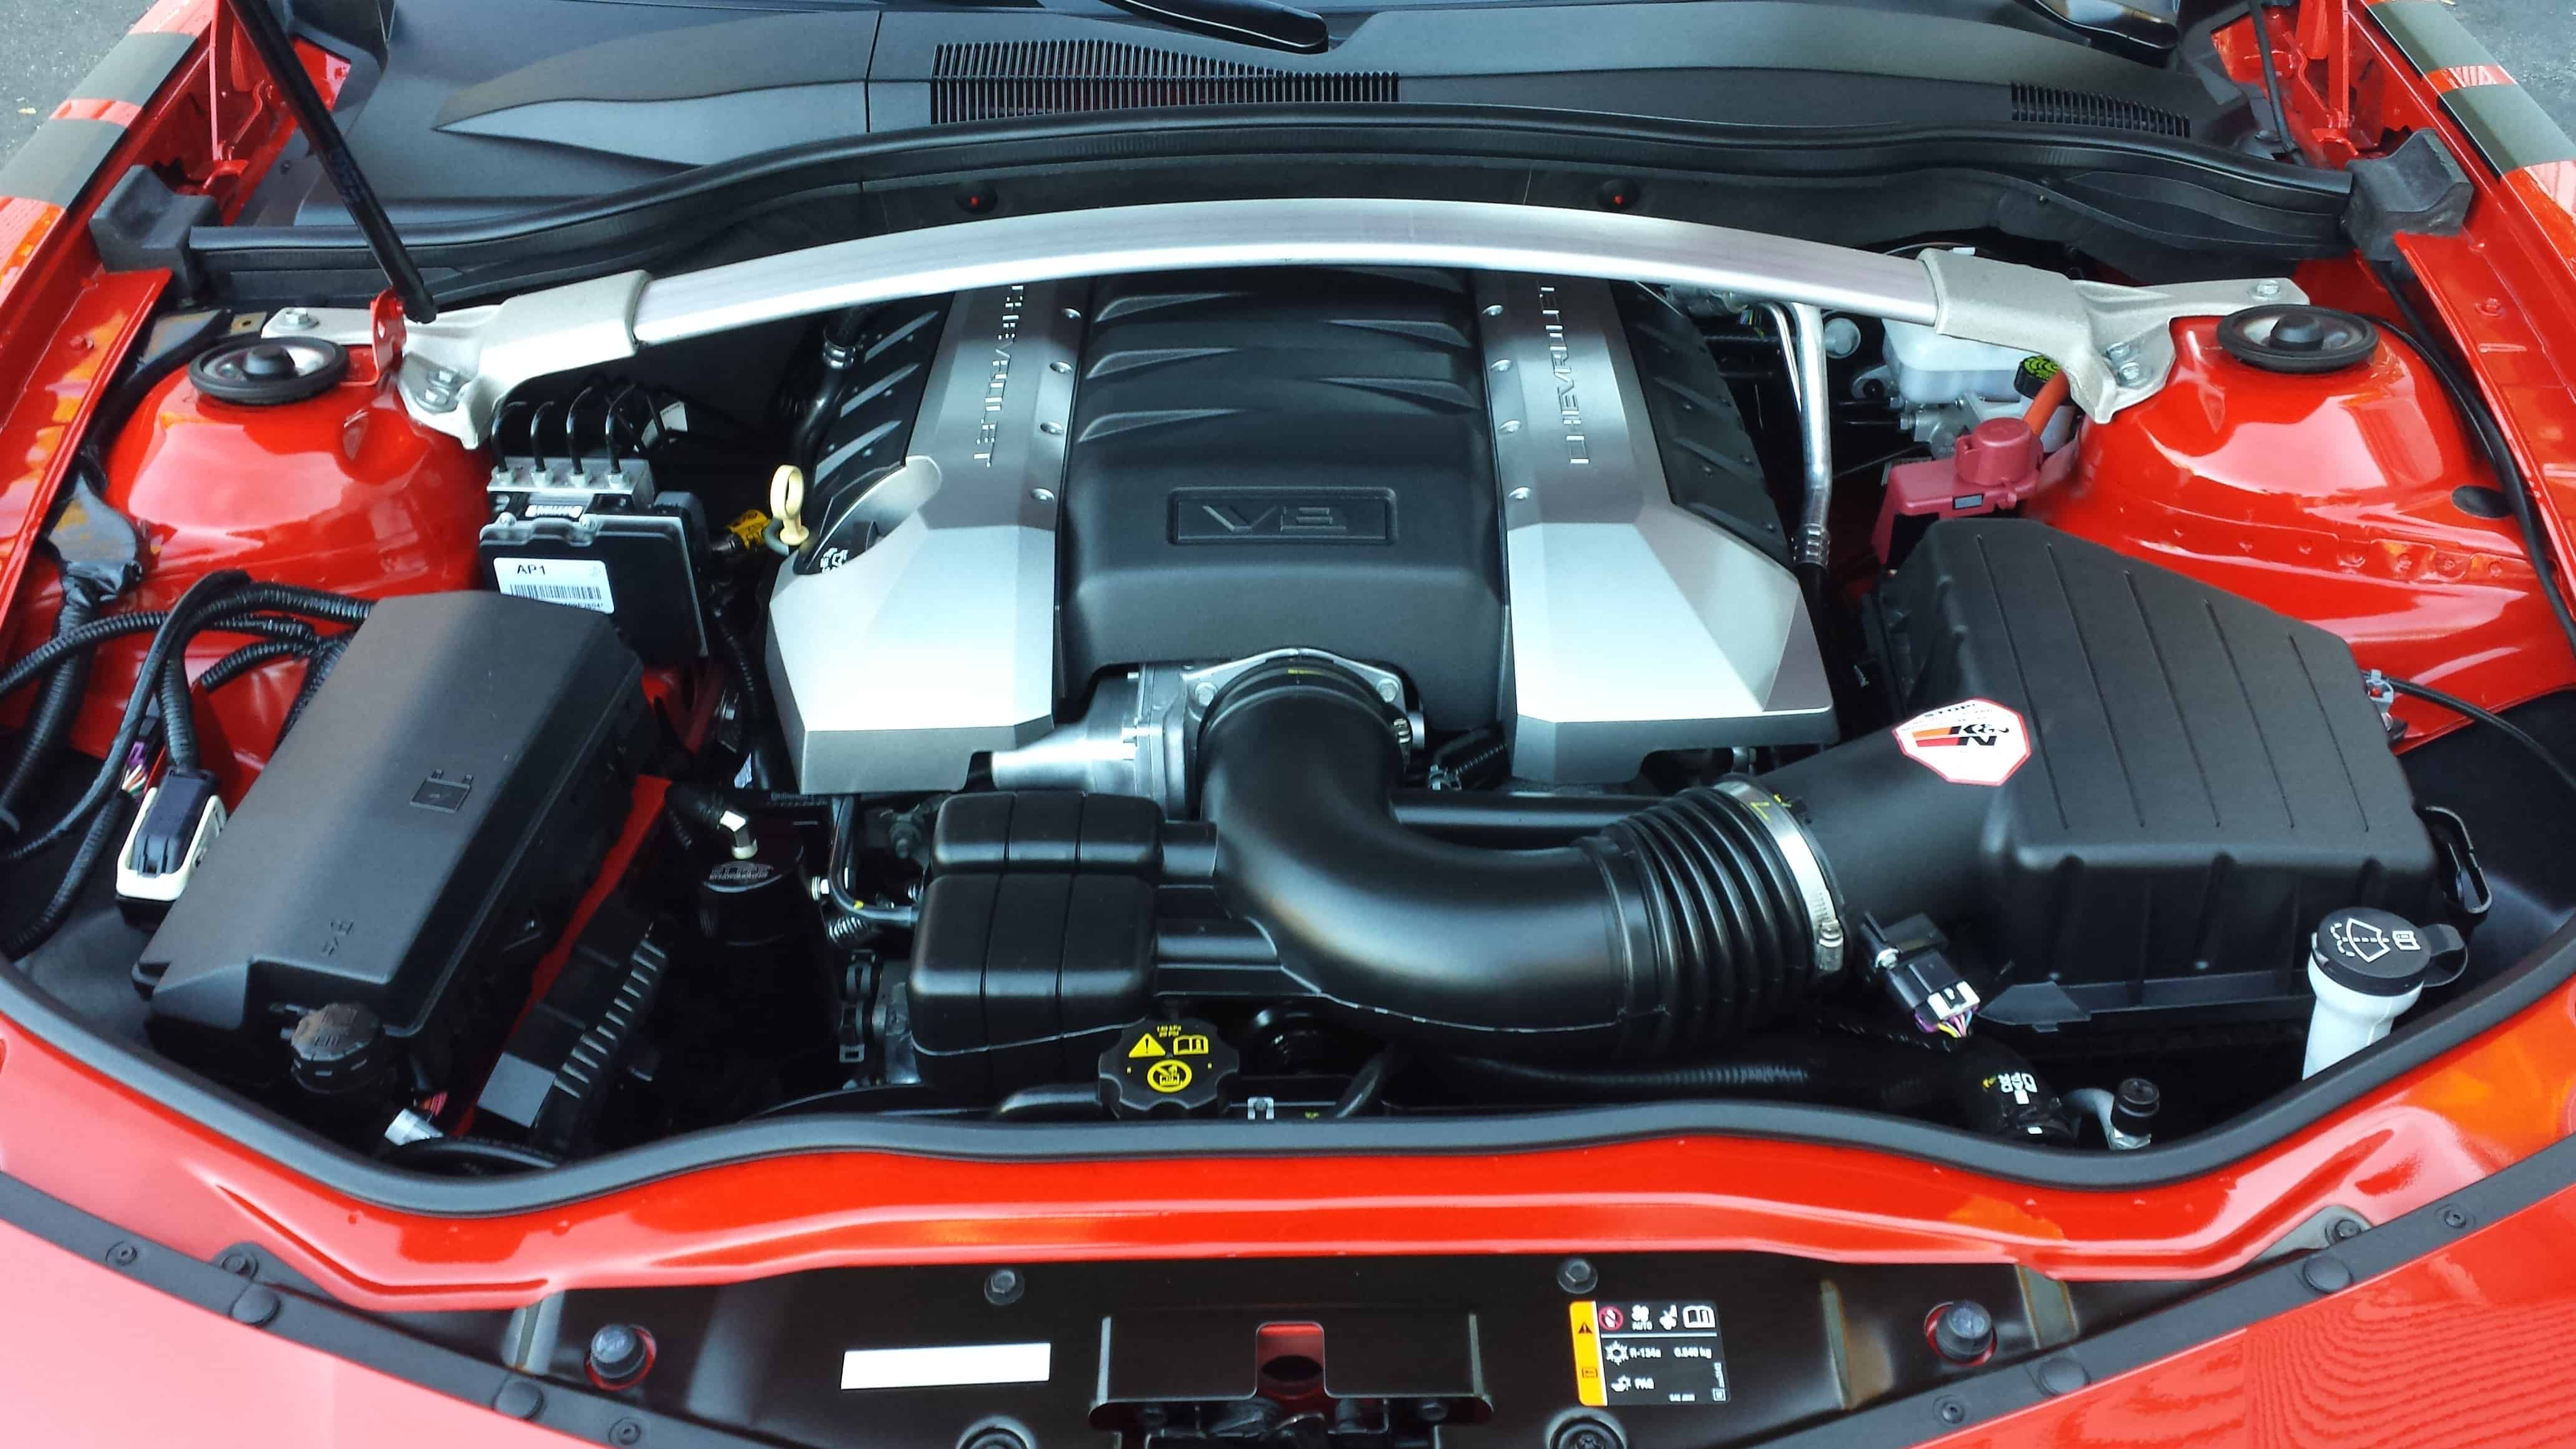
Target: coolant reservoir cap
<point>2379,953</point>
<point>1167,1069</point>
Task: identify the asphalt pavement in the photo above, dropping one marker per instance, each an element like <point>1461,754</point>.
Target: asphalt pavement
<point>46,46</point>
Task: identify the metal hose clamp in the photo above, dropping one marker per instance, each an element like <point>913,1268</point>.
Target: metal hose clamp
<point>1806,866</point>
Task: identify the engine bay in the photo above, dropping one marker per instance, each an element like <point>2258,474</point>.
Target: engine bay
<point>1262,694</point>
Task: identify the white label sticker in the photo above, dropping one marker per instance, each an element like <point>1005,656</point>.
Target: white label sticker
<point>580,582</point>
<point>932,1368</point>
<point>1973,742</point>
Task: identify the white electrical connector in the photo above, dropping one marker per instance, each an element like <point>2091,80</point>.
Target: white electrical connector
<point>177,825</point>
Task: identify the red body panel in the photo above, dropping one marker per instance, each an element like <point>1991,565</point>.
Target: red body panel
<point>2464,1349</point>
<point>2331,499</point>
<point>342,491</point>
<point>89,1357</point>
<point>2454,1349</point>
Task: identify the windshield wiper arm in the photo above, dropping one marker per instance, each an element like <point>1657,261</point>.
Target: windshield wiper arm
<point>1266,23</point>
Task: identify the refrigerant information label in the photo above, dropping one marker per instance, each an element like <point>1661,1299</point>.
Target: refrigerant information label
<point>580,582</point>
<point>1650,1352</point>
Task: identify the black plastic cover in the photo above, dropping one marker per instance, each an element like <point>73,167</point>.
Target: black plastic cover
<point>1709,463</point>
<point>1265,460</point>
<point>417,839</point>
<point>2207,779</point>
<point>566,1054</point>
<point>1024,977</point>
<point>1046,830</point>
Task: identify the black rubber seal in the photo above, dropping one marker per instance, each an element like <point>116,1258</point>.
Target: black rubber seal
<point>261,372</point>
<point>2297,338</point>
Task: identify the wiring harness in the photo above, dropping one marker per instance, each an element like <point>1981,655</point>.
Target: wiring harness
<point>159,719</point>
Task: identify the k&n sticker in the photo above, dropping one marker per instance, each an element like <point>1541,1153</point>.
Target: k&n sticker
<point>1973,742</point>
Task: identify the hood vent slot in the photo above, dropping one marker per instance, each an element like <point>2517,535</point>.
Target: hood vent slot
<point>2050,106</point>
<point>1004,79</point>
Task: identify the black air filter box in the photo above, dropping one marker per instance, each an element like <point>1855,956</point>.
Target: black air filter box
<point>2201,780</point>
<point>416,841</point>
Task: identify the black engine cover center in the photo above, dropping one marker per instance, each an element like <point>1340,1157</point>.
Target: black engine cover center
<point>1266,460</point>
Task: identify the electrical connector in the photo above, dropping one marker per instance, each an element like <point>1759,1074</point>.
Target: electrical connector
<point>1913,967</point>
<point>179,821</point>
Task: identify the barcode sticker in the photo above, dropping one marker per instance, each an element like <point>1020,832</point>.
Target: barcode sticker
<point>580,582</point>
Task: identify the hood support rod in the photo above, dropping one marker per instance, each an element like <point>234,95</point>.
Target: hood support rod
<point>258,20</point>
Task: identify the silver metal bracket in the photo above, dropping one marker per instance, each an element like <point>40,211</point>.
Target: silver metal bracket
<point>2111,340</point>
<point>2114,343</point>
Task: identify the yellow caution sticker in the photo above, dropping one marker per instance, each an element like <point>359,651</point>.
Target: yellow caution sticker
<point>1587,1354</point>
<point>1168,1076</point>
<point>1146,1046</point>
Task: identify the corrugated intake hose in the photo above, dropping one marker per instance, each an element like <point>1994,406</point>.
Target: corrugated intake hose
<point>1678,927</point>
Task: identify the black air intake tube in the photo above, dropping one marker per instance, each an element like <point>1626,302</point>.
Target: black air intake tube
<point>1673,929</point>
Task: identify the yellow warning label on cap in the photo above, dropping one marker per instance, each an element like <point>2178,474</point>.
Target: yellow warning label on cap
<point>1146,1046</point>
<point>1587,1354</point>
<point>1167,1075</point>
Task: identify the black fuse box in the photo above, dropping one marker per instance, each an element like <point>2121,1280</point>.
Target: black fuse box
<point>415,843</point>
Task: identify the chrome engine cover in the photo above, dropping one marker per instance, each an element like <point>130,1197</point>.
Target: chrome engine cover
<point>1636,624</point>
<point>894,667</point>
